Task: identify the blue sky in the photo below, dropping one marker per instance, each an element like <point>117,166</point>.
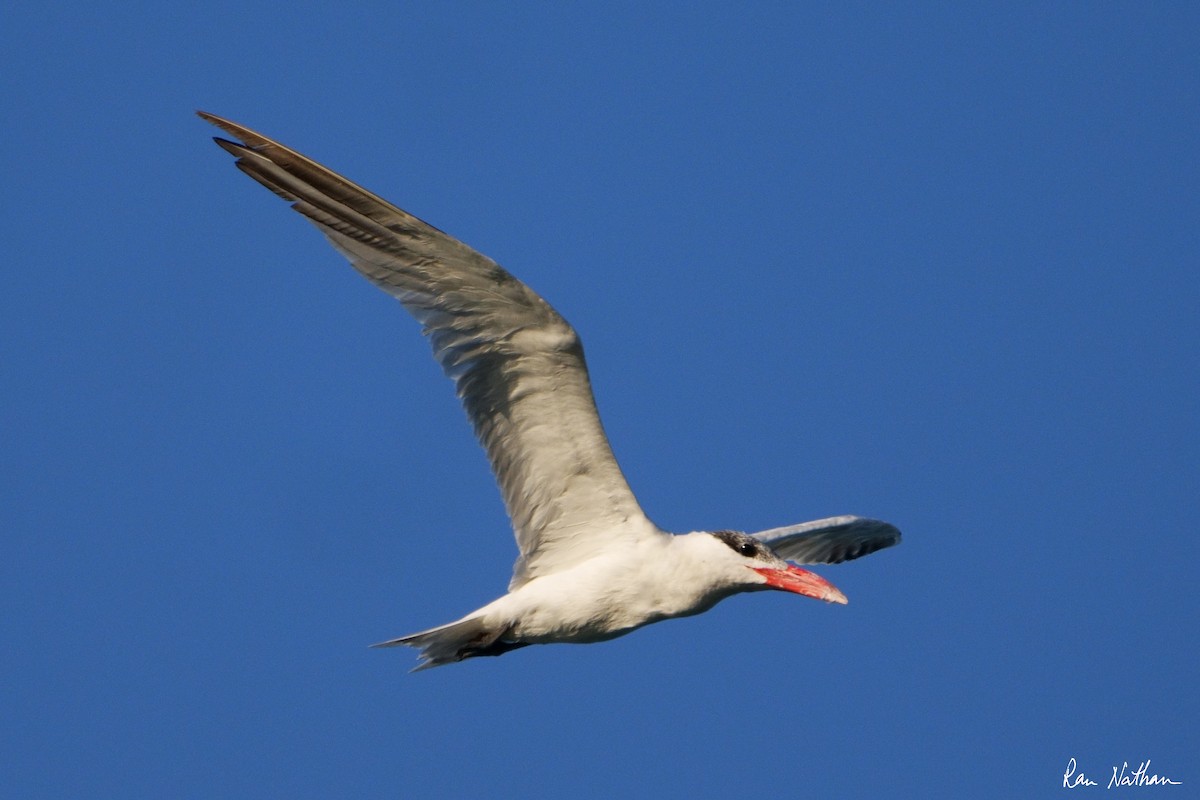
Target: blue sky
<point>936,265</point>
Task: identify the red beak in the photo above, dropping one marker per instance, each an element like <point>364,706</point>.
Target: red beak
<point>801,581</point>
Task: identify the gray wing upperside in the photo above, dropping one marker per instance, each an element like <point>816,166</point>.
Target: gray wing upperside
<point>518,366</point>
<point>830,541</point>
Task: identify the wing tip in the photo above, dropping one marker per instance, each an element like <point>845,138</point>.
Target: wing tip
<point>833,540</point>
<point>224,124</point>
<point>248,139</point>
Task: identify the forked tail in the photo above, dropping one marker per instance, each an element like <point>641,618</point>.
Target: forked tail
<point>467,638</point>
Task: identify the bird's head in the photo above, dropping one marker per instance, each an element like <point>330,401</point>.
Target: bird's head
<point>754,565</point>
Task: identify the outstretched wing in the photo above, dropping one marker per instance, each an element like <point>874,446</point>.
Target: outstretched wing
<point>517,364</point>
<point>830,541</point>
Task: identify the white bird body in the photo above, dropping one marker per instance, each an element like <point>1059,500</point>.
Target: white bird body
<point>658,578</point>
<point>592,566</point>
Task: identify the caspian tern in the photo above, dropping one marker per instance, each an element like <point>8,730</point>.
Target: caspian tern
<point>592,566</point>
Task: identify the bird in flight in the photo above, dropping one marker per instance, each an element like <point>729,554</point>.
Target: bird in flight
<point>592,566</point>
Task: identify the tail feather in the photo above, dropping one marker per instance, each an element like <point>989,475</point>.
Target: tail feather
<point>467,638</point>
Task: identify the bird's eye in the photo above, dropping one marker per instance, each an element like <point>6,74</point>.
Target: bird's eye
<point>747,549</point>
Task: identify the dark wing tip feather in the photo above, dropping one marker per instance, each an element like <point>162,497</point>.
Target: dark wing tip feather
<point>249,137</point>
<point>233,148</point>
<point>323,182</point>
